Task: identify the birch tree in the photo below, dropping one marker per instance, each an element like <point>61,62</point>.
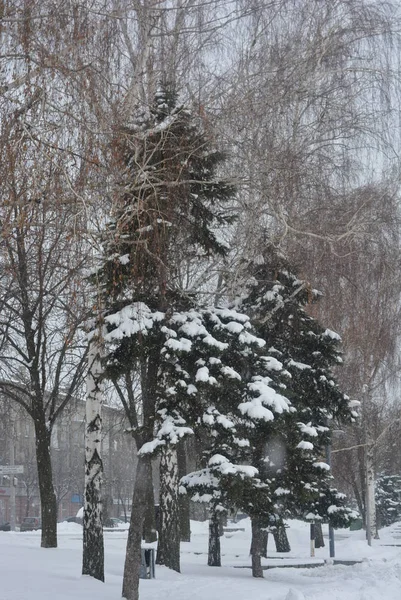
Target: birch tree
<point>93,548</point>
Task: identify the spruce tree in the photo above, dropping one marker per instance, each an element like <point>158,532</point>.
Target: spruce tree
<point>277,301</point>
<point>388,499</point>
<point>276,471</point>
<point>168,208</point>
<point>244,406</point>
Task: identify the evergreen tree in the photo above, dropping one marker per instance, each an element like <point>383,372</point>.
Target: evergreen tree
<point>388,499</point>
<point>242,410</point>
<point>170,206</point>
<point>277,470</point>
<point>277,301</point>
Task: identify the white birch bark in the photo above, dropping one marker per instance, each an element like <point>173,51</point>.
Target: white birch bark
<point>371,530</point>
<point>93,549</point>
<point>168,550</point>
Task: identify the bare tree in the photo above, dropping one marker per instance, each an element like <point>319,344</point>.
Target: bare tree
<point>43,358</point>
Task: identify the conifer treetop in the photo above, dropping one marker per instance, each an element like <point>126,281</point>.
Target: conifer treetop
<point>171,205</point>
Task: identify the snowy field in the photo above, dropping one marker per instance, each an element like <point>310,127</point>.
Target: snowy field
<point>28,572</point>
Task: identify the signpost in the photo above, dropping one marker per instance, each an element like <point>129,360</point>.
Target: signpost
<point>11,469</point>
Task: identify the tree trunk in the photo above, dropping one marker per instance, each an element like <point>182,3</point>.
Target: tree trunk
<point>360,501</point>
<point>214,554</point>
<point>371,528</point>
<point>185,523</point>
<point>133,554</point>
<point>46,490</point>
<point>93,549</point>
<point>222,522</point>
<point>149,526</point>
<point>265,541</point>
<point>257,548</point>
<point>319,540</point>
<point>168,550</point>
<point>281,539</point>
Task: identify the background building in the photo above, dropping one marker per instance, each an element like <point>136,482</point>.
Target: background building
<point>17,446</point>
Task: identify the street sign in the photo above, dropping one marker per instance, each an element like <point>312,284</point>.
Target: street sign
<point>11,469</point>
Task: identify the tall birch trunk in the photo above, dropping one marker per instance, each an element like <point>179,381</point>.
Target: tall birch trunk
<point>93,548</point>
<point>133,554</point>
<point>214,553</point>
<point>371,528</point>
<point>168,550</point>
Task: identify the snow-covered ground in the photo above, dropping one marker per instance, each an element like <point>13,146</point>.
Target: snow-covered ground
<point>28,572</point>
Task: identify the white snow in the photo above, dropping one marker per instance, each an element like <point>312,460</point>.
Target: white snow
<point>211,341</point>
<point>150,447</point>
<point>170,333</point>
<point>321,465</point>
<point>305,445</point>
<point>227,313</point>
<point>226,423</point>
<point>193,328</point>
<point>234,327</point>
<point>248,338</point>
<point>231,373</point>
<point>241,443</point>
<point>28,571</point>
<point>282,492</point>
<point>202,374</point>
<point>332,334</point>
<point>267,395</point>
<point>208,419</point>
<point>131,319</point>
<point>203,477</point>
<point>226,467</point>
<point>181,345</point>
<point>307,429</point>
<point>255,410</point>
<point>298,365</point>
<point>124,259</point>
<point>272,363</point>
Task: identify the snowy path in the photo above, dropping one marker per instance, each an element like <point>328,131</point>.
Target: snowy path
<point>28,572</point>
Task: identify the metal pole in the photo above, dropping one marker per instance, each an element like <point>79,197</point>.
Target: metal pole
<point>331,541</point>
<point>312,539</point>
